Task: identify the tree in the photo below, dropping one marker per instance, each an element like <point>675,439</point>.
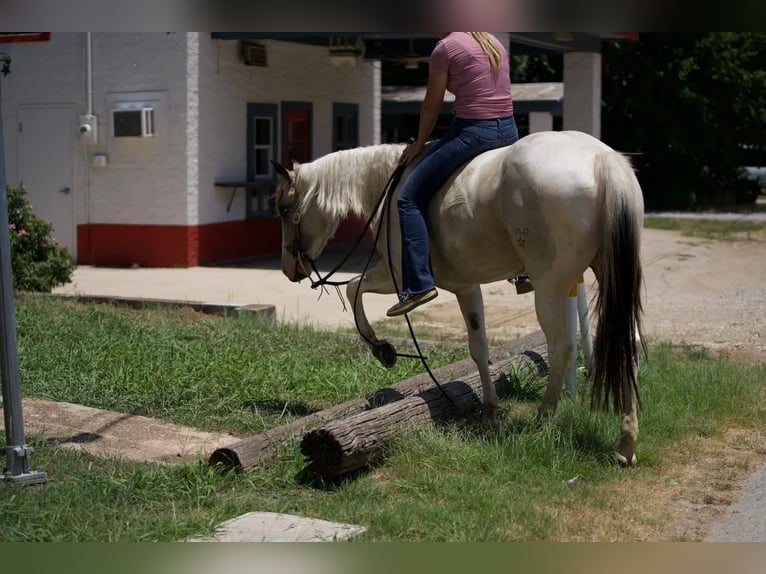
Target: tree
<point>686,104</point>
<point>38,262</point>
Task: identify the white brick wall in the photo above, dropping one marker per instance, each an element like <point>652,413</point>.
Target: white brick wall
<point>45,73</point>
<point>203,88</point>
<point>294,73</point>
<point>145,180</point>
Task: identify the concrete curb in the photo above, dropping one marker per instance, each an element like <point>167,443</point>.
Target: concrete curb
<point>267,312</point>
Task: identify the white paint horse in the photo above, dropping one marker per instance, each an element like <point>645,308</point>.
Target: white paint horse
<point>552,205</point>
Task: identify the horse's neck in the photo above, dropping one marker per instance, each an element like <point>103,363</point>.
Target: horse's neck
<point>376,168</point>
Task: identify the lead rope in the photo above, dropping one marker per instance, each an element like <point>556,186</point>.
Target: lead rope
<point>385,197</point>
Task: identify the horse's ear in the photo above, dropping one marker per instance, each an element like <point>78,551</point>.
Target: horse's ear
<point>281,170</point>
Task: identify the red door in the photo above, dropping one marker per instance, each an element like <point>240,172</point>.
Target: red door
<point>296,136</point>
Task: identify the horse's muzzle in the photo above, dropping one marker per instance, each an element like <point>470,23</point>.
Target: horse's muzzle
<point>294,266</point>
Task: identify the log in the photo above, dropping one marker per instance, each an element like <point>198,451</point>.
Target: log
<point>261,448</point>
<point>359,440</point>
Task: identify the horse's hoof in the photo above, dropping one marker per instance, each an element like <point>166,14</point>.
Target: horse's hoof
<point>384,352</point>
<point>544,414</point>
<point>489,417</point>
<point>623,460</point>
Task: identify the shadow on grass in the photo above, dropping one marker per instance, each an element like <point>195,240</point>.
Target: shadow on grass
<point>308,477</point>
<point>278,407</point>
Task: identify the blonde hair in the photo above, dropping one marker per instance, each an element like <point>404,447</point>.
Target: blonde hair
<point>489,46</point>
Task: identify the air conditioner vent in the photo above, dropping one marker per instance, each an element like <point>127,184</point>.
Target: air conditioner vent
<point>254,54</point>
<point>135,122</point>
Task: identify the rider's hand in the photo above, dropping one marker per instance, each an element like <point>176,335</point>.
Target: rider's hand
<point>411,152</point>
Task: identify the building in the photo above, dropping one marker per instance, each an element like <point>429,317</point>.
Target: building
<point>153,148</point>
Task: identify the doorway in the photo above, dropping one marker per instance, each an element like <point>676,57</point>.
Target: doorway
<point>46,135</point>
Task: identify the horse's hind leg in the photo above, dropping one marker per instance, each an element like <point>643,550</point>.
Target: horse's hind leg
<point>629,424</point>
<point>376,280</point>
<point>550,305</point>
<point>628,436</point>
<point>472,307</point>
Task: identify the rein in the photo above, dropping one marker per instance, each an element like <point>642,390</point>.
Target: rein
<point>321,282</point>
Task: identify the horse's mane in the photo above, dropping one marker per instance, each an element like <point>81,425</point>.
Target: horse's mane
<point>347,181</point>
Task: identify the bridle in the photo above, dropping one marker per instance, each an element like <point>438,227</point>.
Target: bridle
<point>300,256</point>
<point>295,249</point>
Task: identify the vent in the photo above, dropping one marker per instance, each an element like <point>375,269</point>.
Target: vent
<point>346,51</point>
<point>254,54</point>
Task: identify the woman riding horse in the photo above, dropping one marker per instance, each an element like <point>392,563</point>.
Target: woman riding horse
<point>474,67</point>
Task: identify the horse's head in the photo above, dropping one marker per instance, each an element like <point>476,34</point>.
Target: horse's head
<point>305,228</point>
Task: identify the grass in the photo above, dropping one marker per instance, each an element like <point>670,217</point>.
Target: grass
<point>449,483</point>
<point>234,373</point>
<point>736,230</point>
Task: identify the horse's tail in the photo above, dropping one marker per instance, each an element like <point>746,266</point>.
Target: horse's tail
<point>618,305</point>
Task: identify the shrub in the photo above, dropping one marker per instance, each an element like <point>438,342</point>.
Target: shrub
<point>38,262</point>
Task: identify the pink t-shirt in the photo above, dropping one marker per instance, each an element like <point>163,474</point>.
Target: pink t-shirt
<point>480,92</point>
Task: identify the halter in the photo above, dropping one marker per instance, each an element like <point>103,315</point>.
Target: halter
<point>295,249</point>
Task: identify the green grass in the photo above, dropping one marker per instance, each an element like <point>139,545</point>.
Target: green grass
<point>235,373</point>
<point>736,230</point>
<point>447,483</point>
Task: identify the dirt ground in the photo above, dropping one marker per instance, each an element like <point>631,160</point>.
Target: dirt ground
<point>702,292</point>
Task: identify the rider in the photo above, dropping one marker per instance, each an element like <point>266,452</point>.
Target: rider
<point>474,67</point>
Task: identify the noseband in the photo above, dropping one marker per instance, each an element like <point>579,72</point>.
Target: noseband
<point>297,252</point>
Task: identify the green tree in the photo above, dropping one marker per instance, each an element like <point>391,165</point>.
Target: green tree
<point>685,104</point>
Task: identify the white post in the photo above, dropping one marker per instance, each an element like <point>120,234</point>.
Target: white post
<point>540,122</point>
<point>571,380</point>
<point>586,339</point>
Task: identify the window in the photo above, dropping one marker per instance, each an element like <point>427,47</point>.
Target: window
<point>261,146</point>
<point>345,133</point>
<point>263,127</point>
<point>296,132</point>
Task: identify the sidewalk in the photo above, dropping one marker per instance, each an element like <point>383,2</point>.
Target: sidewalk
<point>253,282</point>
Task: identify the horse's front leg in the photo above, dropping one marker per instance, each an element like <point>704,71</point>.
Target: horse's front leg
<point>472,307</point>
<point>376,280</point>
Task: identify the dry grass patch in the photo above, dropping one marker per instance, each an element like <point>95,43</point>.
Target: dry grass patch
<point>676,500</point>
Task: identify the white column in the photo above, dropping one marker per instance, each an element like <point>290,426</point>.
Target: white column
<point>377,72</point>
<point>192,127</point>
<point>582,92</point>
<point>540,122</point>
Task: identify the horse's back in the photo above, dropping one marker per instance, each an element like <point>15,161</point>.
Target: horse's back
<point>520,208</point>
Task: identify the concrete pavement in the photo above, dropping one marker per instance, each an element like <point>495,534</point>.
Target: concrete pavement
<point>254,282</point>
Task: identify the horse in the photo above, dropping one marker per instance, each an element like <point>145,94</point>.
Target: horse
<point>552,205</point>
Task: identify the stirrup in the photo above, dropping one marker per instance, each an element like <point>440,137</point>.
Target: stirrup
<point>523,283</point>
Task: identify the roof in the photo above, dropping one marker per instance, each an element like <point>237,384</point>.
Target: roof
<point>531,92</point>
<point>531,97</point>
<point>400,45</point>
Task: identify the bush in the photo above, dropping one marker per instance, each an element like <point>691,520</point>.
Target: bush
<point>38,262</point>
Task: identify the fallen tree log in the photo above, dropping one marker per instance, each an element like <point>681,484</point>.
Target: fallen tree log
<point>259,449</point>
<point>359,440</point>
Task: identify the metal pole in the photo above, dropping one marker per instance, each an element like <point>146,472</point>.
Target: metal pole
<point>17,453</point>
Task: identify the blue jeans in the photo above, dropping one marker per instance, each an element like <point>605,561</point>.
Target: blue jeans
<point>465,140</point>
